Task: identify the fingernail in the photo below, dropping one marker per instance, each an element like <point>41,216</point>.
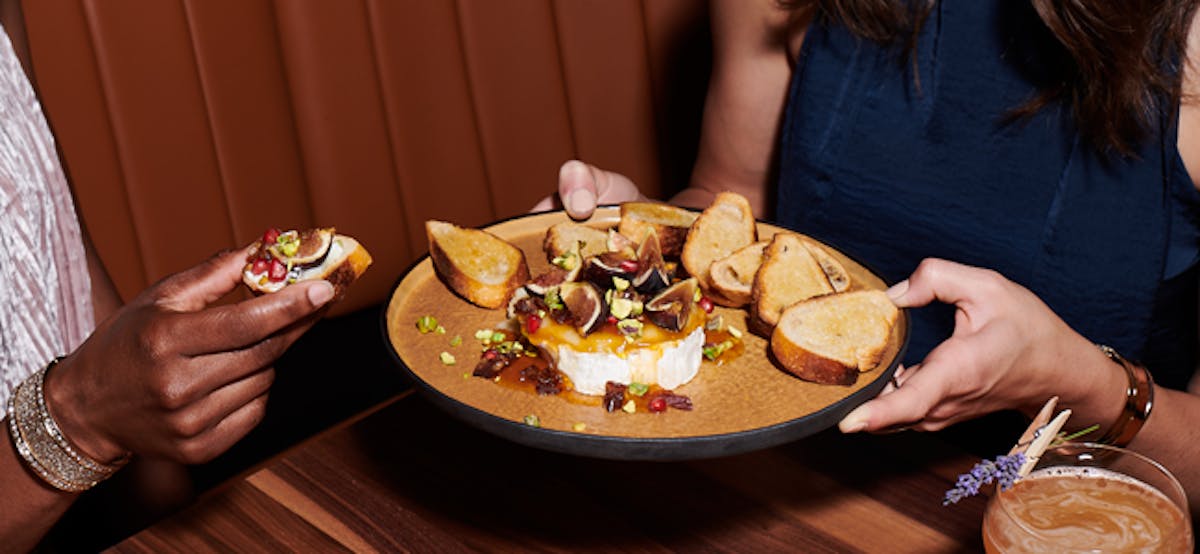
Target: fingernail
<point>856,420</point>
<point>571,167</point>
<point>320,293</point>
<point>897,291</point>
<point>581,201</point>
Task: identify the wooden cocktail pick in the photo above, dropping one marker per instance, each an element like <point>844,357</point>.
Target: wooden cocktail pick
<point>1039,435</point>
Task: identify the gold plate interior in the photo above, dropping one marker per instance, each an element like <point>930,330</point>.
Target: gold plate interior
<point>744,394</point>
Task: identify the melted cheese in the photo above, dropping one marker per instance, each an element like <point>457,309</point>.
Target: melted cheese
<point>659,357</point>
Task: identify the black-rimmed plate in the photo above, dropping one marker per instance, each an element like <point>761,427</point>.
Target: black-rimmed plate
<point>744,404</point>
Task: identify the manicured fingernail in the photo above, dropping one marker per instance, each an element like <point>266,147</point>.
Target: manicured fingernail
<point>572,167</point>
<point>320,293</point>
<point>897,290</point>
<point>581,201</point>
<point>856,420</point>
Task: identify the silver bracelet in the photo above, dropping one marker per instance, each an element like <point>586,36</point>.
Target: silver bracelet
<point>42,445</point>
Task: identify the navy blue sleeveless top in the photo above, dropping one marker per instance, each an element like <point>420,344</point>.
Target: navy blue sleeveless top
<point>892,167</point>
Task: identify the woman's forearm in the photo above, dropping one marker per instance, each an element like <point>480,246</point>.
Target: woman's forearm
<point>30,507</point>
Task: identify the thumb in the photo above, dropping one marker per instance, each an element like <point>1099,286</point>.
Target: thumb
<point>194,288</point>
<point>577,188</point>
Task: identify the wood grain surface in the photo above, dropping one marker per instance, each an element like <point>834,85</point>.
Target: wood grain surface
<point>409,478</point>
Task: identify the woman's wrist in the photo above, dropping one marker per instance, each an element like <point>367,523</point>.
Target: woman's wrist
<point>64,403</point>
<point>1095,390</point>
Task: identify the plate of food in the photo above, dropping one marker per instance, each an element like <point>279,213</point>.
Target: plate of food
<point>647,332</point>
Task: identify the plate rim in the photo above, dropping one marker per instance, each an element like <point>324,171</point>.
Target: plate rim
<point>645,448</point>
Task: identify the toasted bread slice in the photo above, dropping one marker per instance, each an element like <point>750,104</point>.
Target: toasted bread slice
<point>830,339</point>
<point>725,226</point>
<point>670,222</point>
<point>834,270</point>
<point>563,237</point>
<point>789,274</point>
<point>316,254</point>
<point>732,277</point>
<point>478,265</point>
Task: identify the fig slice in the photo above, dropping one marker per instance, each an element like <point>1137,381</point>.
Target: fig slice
<point>553,277</point>
<point>652,273</point>
<point>672,307</point>
<point>314,244</point>
<point>601,269</point>
<point>585,305</point>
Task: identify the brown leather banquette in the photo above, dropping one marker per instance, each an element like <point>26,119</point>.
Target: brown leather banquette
<point>189,126</point>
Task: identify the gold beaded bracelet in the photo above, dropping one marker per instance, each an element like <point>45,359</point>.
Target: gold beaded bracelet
<point>42,445</point>
<point>1139,400</point>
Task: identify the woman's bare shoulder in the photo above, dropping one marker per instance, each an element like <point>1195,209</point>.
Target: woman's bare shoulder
<point>1188,139</point>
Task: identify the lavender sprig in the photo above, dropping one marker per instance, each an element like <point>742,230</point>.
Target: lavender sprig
<point>1003,470</point>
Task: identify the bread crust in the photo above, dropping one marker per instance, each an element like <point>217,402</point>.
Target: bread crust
<point>808,365</point>
<point>342,275</point>
<point>854,328</point>
<point>838,277</point>
<point>725,226</point>
<point>562,237</point>
<point>671,223</point>
<point>448,266</point>
<point>732,277</point>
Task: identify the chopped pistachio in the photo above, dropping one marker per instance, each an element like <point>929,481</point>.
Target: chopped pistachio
<point>579,427</point>
<point>609,296</point>
<point>497,337</point>
<point>567,261</point>
<point>631,328</point>
<point>440,330</point>
<point>427,324</point>
<point>735,332</point>
<point>629,407</point>
<point>715,323</point>
<point>532,420</point>
<point>620,284</point>
<point>696,296</point>
<point>290,248</point>
<point>638,389</point>
<point>457,340</point>
<point>447,358</point>
<point>637,308</point>
<point>553,300</point>
<point>621,308</point>
<point>483,334</point>
<point>466,375</point>
<point>714,351</point>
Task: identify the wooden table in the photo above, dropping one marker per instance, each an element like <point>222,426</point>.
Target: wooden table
<point>406,477</point>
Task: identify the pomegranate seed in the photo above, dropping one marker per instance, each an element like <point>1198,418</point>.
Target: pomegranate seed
<point>612,319</point>
<point>278,271</point>
<point>260,266</point>
<point>270,236</point>
<point>490,354</point>
<point>533,323</point>
<point>706,304</point>
<point>628,266</point>
<point>658,404</point>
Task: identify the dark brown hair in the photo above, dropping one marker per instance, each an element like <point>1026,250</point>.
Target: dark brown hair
<point>1118,61</point>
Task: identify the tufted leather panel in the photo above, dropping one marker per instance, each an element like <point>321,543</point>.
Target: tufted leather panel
<point>188,126</point>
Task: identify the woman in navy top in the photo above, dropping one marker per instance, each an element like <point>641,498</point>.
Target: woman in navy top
<point>1019,170</point>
